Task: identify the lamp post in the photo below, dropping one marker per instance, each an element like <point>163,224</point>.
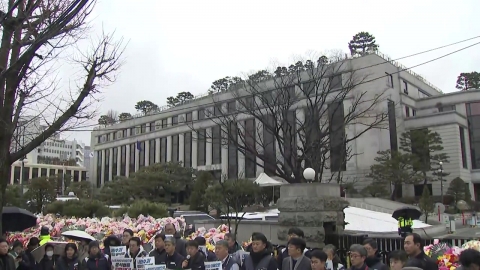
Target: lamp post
<point>440,172</point>
<point>309,174</point>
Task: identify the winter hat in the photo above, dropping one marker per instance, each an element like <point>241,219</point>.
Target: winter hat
<point>44,231</point>
<point>92,245</point>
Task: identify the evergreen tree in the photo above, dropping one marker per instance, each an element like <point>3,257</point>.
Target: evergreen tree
<point>197,199</point>
<point>468,80</point>
<point>362,44</point>
<point>457,189</point>
<point>426,203</point>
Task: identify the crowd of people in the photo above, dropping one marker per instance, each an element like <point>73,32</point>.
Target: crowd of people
<point>177,253</point>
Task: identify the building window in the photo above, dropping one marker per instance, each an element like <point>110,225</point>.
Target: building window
<point>309,88</point>
<point>164,123</point>
<point>250,149</point>
<point>124,133</point>
<point>76,176</point>
<point>201,114</point>
<point>414,112</point>
<point>187,150</point>
<point>26,172</point>
<point>473,117</point>
<point>34,173</point>
<point>270,162</point>
<point>232,151</point>
<point>83,176</point>
<point>335,82</point>
<point>389,79</point>
<point>114,137</point>
<point>115,162</point>
<point>249,102</point>
<point>141,152</point>
<point>447,108</point>
<point>151,126</point>
<point>151,152</point>
<point>132,131</point>
<point>216,144</point>
<point>405,87</point>
<point>132,158</point>
<point>201,147</point>
<point>338,152</point>
<point>174,120</point>
<point>418,189</point>
<point>16,175</point>
<point>407,111</point>
<point>231,106</point>
<point>107,166</point>
<point>123,160</point>
<point>163,150</point>
<point>463,147</point>
<point>99,169</point>
<point>43,172</point>
<point>188,117</point>
<point>217,109</point>
<point>175,148</point>
<point>392,126</point>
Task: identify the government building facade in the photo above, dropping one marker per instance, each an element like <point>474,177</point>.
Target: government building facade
<point>411,103</point>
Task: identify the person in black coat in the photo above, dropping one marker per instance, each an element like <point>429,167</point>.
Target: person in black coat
<point>373,260</point>
<point>70,260</point>
<point>180,244</point>
<point>28,262</point>
<point>210,256</point>
<point>283,252</point>
<point>95,260</point>
<point>159,252</point>
<point>6,260</point>
<point>111,241</point>
<point>416,257</point>
<point>49,261</point>
<point>195,258</point>
<point>174,259</point>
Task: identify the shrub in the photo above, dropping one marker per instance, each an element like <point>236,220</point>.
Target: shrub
<point>144,207</point>
<point>79,208</point>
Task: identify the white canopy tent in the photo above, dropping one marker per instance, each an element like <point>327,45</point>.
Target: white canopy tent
<point>263,180</point>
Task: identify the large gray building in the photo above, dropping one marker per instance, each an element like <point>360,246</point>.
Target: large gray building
<point>411,102</point>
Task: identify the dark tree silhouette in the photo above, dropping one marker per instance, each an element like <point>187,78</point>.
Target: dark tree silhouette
<point>261,122</point>
<point>146,106</point>
<point>181,98</point>
<point>469,80</point>
<point>124,116</point>
<point>362,44</point>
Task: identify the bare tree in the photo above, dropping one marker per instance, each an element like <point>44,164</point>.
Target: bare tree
<point>294,117</point>
<point>35,33</point>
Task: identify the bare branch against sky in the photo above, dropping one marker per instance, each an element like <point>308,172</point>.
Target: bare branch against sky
<point>264,126</point>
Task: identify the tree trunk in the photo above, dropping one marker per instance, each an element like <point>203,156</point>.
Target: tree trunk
<point>5,171</point>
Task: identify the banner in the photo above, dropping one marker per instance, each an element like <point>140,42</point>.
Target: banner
<point>213,265</point>
<point>118,251</point>
<point>122,263</point>
<point>156,267</point>
<point>144,261</point>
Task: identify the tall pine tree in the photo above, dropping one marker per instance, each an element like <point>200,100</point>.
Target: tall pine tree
<point>362,44</point>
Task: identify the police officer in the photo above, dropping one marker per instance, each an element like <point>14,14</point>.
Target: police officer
<point>405,226</point>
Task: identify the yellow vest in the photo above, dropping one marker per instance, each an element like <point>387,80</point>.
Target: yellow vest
<point>44,239</point>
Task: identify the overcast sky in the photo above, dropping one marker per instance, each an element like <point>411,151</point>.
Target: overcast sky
<point>180,46</point>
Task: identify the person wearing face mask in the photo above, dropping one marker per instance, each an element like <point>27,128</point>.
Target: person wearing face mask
<point>259,257</point>
<point>70,260</point>
<point>49,261</point>
<point>333,261</point>
<point>6,261</point>
<point>28,262</point>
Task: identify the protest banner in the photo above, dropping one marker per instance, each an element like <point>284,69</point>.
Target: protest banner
<point>213,265</point>
<point>156,267</point>
<point>118,251</point>
<point>142,262</point>
<point>122,263</point>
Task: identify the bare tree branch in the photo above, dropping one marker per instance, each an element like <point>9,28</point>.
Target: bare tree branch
<point>306,115</point>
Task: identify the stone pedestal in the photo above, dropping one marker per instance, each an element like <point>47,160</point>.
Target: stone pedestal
<point>315,208</point>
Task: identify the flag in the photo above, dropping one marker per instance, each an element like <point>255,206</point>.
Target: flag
<point>139,146</point>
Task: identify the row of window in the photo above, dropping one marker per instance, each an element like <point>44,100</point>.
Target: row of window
<point>268,97</point>
<point>42,172</point>
<point>473,118</point>
<point>57,144</point>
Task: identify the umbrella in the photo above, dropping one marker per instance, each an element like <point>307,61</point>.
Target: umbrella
<point>78,235</point>
<point>16,219</point>
<point>407,212</point>
<point>58,249</point>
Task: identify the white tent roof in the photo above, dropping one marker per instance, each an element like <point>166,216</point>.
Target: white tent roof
<point>264,180</point>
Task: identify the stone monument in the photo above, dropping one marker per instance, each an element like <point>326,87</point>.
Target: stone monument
<point>315,208</point>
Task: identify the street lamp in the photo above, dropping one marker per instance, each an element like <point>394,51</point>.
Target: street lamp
<point>309,174</point>
<point>440,173</point>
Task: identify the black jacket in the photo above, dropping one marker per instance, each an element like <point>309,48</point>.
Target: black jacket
<point>210,256</point>
<point>159,255</point>
<point>65,263</point>
<point>28,262</point>
<point>180,245</point>
<point>422,261</point>
<point>99,262</point>
<point>8,263</point>
<point>46,264</point>
<point>283,253</point>
<point>174,261</point>
<point>196,262</point>
<point>375,263</point>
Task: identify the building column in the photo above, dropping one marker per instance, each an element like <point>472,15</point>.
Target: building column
<point>12,175</point>
<point>224,152</point>
<point>127,160</point>
<point>102,174</point>
<point>208,148</point>
<point>147,153</point>
<point>181,147</point>
<point>259,138</point>
<point>119,159</point>
<point>30,172</point>
<point>169,147</point>
<point>194,149</point>
<point>110,162</point>
<point>157,150</point>
<point>137,158</point>
<point>241,156</point>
